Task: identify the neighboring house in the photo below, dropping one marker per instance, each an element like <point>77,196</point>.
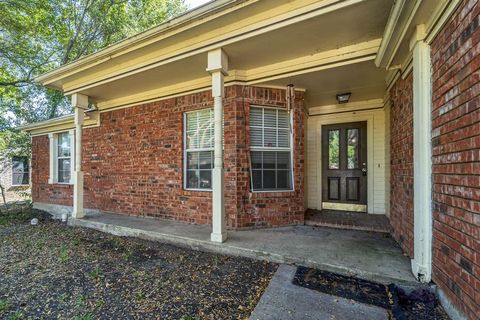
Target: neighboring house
<point>383,117</point>
<point>15,179</point>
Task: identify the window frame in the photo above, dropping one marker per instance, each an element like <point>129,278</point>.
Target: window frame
<point>186,151</point>
<point>53,155</point>
<point>23,172</point>
<point>273,149</point>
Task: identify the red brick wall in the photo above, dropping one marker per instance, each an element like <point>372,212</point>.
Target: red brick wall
<point>401,163</point>
<point>133,163</point>
<point>41,190</point>
<point>456,158</point>
<point>268,208</point>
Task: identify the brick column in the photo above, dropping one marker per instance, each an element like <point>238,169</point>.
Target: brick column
<point>218,67</point>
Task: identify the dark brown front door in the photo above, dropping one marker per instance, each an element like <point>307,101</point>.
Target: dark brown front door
<point>344,166</point>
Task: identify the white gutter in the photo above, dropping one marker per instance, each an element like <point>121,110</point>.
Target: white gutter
<point>46,123</point>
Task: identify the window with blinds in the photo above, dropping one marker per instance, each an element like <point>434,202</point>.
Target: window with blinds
<point>199,146</point>
<point>271,153</point>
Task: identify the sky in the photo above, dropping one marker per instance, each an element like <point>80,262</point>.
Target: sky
<point>195,3</point>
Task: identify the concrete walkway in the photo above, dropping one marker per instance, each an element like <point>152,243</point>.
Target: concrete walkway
<point>285,301</point>
<point>367,255</point>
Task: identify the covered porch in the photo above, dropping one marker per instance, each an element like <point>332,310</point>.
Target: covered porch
<point>367,255</point>
<point>339,148</point>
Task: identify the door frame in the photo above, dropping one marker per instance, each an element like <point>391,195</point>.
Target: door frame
<point>346,118</point>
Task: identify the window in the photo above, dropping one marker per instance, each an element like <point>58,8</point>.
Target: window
<point>20,171</point>
<point>334,149</point>
<point>271,153</point>
<point>199,146</point>
<point>352,148</point>
<point>61,160</point>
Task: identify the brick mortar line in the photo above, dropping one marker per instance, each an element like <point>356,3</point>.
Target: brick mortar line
<point>458,242</point>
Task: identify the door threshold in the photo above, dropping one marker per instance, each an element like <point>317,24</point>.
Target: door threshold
<point>344,206</point>
<point>348,220</point>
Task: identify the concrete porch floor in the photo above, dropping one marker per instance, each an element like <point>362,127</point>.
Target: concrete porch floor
<point>367,255</point>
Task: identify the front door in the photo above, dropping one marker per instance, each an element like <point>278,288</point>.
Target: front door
<point>344,166</point>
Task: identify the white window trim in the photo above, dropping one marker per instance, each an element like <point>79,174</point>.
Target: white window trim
<point>21,184</point>
<point>289,149</point>
<point>53,148</point>
<point>185,151</point>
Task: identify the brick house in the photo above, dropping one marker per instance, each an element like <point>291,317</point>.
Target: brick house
<point>381,116</point>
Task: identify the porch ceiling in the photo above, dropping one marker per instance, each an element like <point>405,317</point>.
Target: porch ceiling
<point>342,42</point>
<point>364,80</point>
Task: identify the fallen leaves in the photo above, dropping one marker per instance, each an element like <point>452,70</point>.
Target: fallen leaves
<point>55,271</point>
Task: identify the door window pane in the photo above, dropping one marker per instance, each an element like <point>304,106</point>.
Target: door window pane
<point>334,149</point>
<point>352,148</point>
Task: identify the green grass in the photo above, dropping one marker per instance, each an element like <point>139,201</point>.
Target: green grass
<point>16,316</point>
<point>4,305</point>
<point>95,274</point>
<point>64,255</point>
<point>83,317</point>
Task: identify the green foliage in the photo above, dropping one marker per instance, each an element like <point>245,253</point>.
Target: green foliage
<point>64,254</point>
<point>95,274</point>
<point>37,36</point>
<point>16,316</point>
<point>333,149</point>
<point>4,305</point>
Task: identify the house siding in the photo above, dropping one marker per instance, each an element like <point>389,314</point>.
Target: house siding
<point>133,163</point>
<point>401,163</point>
<point>456,158</point>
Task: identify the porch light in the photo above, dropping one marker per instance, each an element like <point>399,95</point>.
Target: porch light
<point>343,97</point>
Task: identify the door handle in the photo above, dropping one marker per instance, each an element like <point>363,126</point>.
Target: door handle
<point>364,169</point>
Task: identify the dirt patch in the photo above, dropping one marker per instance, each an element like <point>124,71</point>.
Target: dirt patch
<point>55,271</point>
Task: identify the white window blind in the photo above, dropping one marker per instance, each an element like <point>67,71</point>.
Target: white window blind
<point>270,149</point>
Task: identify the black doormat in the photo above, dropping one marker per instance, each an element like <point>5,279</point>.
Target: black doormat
<point>419,304</point>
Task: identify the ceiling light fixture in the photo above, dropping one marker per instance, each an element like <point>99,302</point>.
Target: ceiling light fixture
<point>343,97</point>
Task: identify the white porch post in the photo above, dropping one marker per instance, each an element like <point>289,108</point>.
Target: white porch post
<point>80,104</point>
<point>218,67</point>
<point>422,162</point>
